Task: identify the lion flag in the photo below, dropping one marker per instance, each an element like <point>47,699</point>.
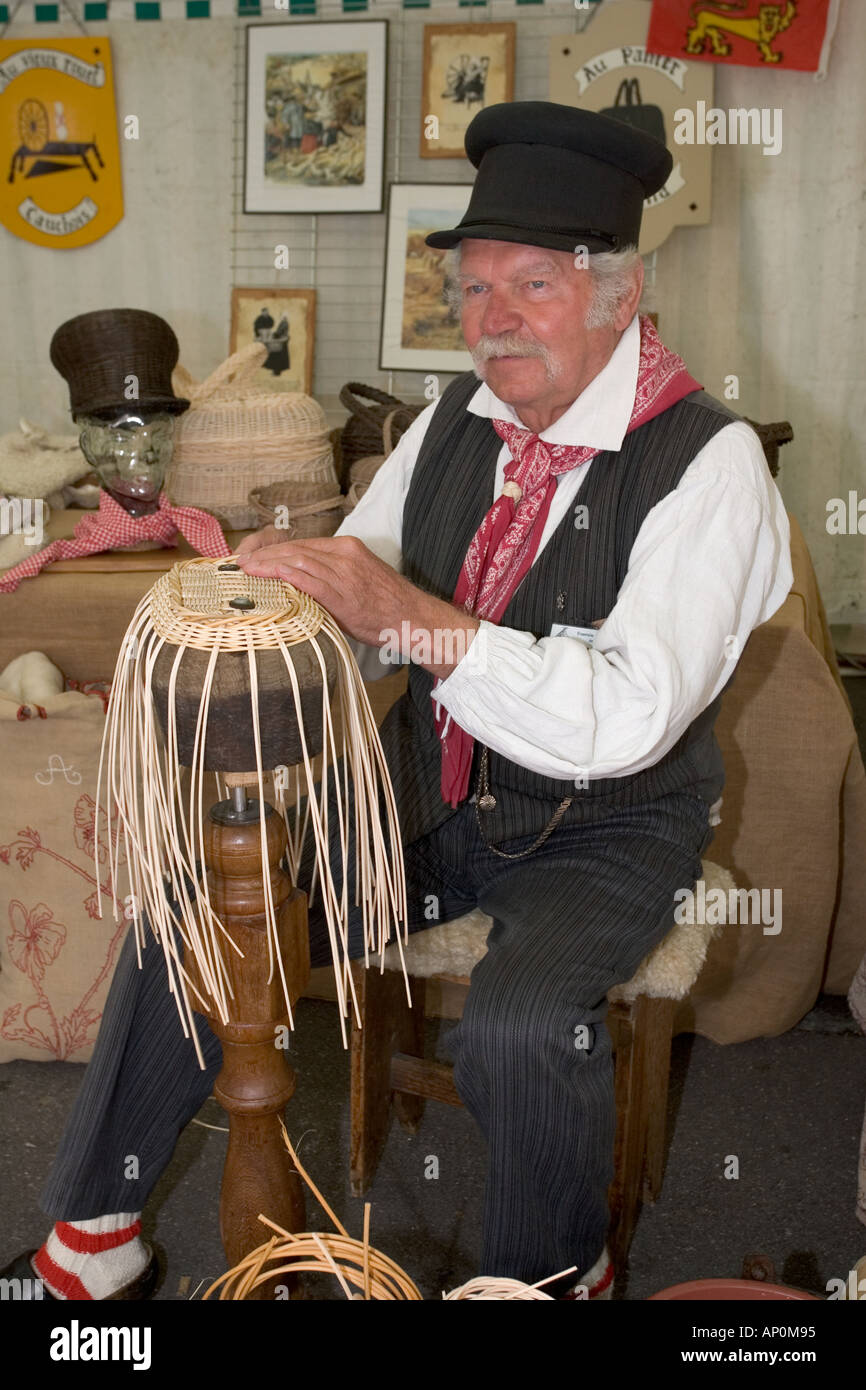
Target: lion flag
<point>753,33</point>
<point>58,141</point>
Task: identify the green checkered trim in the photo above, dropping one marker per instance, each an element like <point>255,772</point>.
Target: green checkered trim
<point>97,10</point>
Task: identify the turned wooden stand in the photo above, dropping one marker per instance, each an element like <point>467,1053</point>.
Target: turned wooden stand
<point>256,1080</point>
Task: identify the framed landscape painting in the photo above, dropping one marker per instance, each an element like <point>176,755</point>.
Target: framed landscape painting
<point>315,117</point>
<point>419,330</point>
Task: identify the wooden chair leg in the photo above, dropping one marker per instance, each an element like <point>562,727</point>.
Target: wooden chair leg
<point>641,1080</point>
<point>622,1194</point>
<point>657,1070</point>
<point>410,1039</point>
<point>389,1025</point>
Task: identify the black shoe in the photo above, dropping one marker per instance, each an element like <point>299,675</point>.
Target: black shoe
<point>31,1286</point>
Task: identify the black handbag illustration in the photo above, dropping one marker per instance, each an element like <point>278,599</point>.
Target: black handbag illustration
<point>628,107</point>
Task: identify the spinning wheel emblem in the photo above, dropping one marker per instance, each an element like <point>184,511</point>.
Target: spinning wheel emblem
<point>33,126</point>
<point>52,156</point>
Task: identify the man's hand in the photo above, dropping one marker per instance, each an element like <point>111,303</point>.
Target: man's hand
<point>368,598</point>
<point>269,535</point>
<point>363,593</point>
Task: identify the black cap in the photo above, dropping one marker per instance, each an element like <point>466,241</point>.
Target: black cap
<point>557,176</point>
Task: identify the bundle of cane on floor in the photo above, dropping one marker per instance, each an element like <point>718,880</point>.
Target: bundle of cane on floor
<point>487,1289</point>
<point>226,674</point>
<point>354,1264</point>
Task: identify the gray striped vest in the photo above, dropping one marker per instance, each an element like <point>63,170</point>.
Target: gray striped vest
<point>574,581</point>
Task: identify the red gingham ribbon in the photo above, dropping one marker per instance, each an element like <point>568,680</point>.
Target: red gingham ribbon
<point>112,526</point>
<point>502,550</point>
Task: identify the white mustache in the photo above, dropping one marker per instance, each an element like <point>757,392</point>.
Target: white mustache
<point>510,345</point>
<point>506,345</point>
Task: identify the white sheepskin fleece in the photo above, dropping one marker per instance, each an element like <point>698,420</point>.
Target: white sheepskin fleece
<point>32,677</point>
<point>668,972</point>
<point>34,463</point>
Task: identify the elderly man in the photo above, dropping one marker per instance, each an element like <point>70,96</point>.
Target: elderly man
<point>595,537</point>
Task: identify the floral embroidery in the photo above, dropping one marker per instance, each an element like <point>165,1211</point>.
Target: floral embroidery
<point>35,940</point>
<point>85,827</point>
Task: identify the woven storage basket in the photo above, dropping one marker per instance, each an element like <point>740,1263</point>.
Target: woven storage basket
<point>354,495</point>
<point>236,437</point>
<point>312,509</point>
<point>364,470</point>
<point>363,431</point>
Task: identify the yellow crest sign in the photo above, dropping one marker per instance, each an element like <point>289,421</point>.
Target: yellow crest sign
<point>58,141</point>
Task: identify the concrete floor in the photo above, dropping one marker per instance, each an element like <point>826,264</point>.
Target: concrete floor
<point>790,1109</point>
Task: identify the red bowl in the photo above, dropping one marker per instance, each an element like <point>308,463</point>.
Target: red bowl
<point>730,1290</point>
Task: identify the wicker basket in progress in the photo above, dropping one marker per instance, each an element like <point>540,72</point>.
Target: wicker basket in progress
<point>235,437</point>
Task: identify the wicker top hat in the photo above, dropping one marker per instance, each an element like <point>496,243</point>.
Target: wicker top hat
<point>98,353</point>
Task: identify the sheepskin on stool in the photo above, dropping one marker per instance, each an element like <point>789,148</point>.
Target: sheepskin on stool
<point>388,1048</point>
<point>668,972</point>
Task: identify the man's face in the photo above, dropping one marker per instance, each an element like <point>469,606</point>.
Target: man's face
<point>523,315</point>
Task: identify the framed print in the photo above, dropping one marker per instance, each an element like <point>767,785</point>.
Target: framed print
<point>466,66</point>
<point>419,331</point>
<point>286,321</point>
<point>315,117</point>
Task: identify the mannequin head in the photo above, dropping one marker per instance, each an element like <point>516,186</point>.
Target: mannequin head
<point>131,453</point>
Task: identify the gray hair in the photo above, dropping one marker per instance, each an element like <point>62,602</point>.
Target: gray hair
<point>612,275</point>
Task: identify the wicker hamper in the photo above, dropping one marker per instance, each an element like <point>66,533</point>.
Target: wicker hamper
<point>310,509</point>
<point>363,431</point>
<point>363,470</point>
<point>236,437</point>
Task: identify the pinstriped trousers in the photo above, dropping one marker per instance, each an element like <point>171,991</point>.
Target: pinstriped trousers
<point>532,1054</point>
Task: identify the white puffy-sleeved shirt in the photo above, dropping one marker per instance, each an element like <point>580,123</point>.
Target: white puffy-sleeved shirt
<point>710,563</point>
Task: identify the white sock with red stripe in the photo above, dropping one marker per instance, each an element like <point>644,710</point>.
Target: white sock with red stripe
<point>597,1283</point>
<point>92,1259</point>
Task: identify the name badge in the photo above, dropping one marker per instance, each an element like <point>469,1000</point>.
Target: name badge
<point>586,635</point>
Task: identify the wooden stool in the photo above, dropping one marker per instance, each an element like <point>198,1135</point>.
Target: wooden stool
<point>387,1052</point>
